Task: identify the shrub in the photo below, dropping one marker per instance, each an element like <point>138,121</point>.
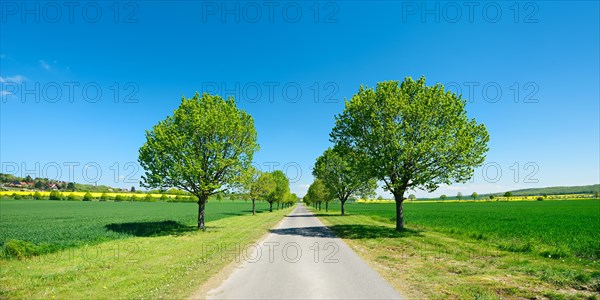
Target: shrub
<point>148,198</point>
<point>119,198</point>
<point>18,249</point>
<point>37,196</point>
<point>540,198</point>
<point>104,197</point>
<point>164,197</point>
<point>72,197</point>
<point>88,197</point>
<point>54,195</point>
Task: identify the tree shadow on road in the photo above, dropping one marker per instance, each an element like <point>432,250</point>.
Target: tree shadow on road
<point>359,231</point>
<point>315,231</point>
<point>145,229</point>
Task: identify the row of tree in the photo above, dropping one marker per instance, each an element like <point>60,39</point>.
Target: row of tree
<point>406,135</point>
<point>206,148</point>
<point>273,187</point>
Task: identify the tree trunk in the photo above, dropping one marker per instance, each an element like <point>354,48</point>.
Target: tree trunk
<point>201,206</point>
<point>399,197</point>
<point>319,205</point>
<point>343,202</point>
<point>271,206</point>
<point>277,205</point>
<point>253,207</point>
<point>326,206</point>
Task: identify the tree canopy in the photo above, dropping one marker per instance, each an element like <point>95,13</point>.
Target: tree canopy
<point>411,136</point>
<point>204,148</point>
<point>339,171</point>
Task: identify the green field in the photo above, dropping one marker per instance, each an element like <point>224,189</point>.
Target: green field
<point>555,229</point>
<point>132,250</point>
<point>47,226</point>
<point>482,250</point>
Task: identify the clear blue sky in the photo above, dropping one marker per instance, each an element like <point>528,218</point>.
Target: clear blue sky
<point>154,52</point>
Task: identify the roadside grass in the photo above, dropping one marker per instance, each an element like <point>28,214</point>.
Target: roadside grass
<point>164,266</point>
<point>34,227</point>
<point>425,263</point>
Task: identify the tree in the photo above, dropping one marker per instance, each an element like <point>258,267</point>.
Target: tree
<point>475,196</point>
<point>104,197</point>
<point>412,137</point>
<point>508,194</point>
<point>443,197</point>
<point>260,186</point>
<point>282,188</point>
<point>491,197</point>
<point>132,189</point>
<point>459,196</point>
<point>412,197</point>
<point>339,171</point>
<point>54,195</point>
<point>71,186</point>
<point>37,196</point>
<point>87,197</point>
<point>318,193</point>
<point>379,197</point>
<point>204,148</point>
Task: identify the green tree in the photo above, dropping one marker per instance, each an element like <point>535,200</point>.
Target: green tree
<point>443,197</point>
<point>132,189</point>
<point>71,186</point>
<point>164,197</point>
<point>87,197</point>
<point>37,196</point>
<point>148,198</point>
<point>508,194</point>
<point>204,148</point>
<point>282,188</point>
<point>73,197</point>
<point>260,185</point>
<point>340,172</point>
<point>474,196</point>
<point>412,136</point>
<point>459,196</point>
<point>55,195</point>
<point>379,197</point>
<point>318,193</point>
<point>104,197</point>
<point>412,197</point>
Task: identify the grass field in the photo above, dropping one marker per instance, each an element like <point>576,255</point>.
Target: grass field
<point>43,226</point>
<point>555,229</point>
<point>168,259</point>
<point>480,250</point>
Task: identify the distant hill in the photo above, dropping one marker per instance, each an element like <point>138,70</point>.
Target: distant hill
<point>553,190</point>
<point>556,190</point>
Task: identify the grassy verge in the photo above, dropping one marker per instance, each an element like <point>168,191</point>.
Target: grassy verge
<point>423,263</point>
<point>171,266</point>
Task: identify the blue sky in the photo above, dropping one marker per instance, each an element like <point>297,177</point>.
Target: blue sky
<point>530,72</point>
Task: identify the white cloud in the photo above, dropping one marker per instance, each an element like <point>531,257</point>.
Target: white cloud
<point>44,65</point>
<point>13,79</point>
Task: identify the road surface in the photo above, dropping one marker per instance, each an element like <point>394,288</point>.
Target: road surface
<point>302,259</point>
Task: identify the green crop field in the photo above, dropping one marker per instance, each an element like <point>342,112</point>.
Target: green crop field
<point>481,250</point>
<point>30,227</point>
<point>555,229</point>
